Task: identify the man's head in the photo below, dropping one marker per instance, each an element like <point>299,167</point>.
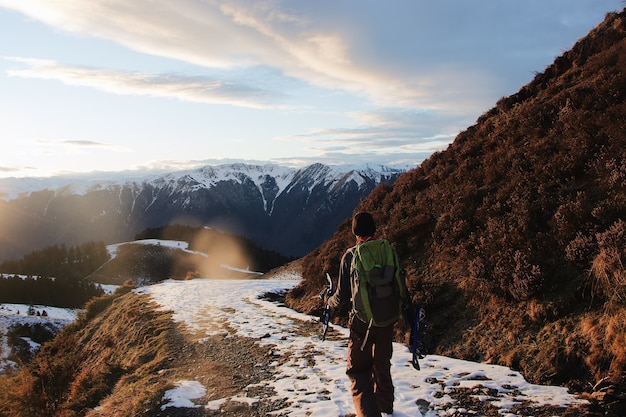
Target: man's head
<point>363,225</point>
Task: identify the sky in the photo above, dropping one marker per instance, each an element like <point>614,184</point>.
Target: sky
<point>118,85</point>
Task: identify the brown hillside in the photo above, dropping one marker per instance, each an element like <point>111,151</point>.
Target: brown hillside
<point>120,358</point>
<point>515,236</point>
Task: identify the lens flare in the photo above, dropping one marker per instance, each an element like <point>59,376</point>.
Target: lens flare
<point>225,256</point>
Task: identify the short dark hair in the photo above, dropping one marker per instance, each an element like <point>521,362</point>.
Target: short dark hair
<point>363,224</point>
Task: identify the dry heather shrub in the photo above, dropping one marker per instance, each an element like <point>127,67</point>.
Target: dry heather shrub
<point>536,311</point>
<point>605,335</point>
<point>580,250</point>
<point>608,275</point>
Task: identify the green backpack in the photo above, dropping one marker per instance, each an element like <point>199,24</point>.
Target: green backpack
<point>378,290</point>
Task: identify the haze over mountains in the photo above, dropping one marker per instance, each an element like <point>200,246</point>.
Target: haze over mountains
<point>287,210</point>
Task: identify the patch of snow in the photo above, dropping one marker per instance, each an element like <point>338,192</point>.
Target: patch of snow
<point>216,404</point>
<point>173,244</point>
<point>181,396</point>
<point>212,306</point>
<point>246,270</point>
<point>17,314</point>
<point>108,288</point>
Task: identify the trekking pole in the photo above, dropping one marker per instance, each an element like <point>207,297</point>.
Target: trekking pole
<point>328,291</point>
<point>420,315</point>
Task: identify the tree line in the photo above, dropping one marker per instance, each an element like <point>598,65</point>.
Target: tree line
<point>53,276</point>
<point>59,261</point>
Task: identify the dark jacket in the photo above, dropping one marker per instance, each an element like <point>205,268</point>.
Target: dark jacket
<point>343,293</point>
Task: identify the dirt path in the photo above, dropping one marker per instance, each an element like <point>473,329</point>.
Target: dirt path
<point>236,368</point>
<point>229,367</point>
<point>237,371</point>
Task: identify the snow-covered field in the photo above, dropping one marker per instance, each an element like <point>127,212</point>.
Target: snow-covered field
<point>17,314</point>
<point>322,388</point>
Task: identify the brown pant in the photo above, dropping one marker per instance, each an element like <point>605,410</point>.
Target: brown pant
<point>369,369</point>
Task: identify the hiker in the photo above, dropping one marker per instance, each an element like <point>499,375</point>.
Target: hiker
<point>370,344</point>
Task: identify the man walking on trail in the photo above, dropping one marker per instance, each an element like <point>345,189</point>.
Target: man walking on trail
<point>370,344</point>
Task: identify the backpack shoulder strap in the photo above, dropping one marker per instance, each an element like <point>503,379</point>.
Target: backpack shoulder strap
<point>374,253</point>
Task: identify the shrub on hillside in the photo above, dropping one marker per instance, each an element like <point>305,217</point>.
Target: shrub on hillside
<point>608,272</point>
<point>514,235</point>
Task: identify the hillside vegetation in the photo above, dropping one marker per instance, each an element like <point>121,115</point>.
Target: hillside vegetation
<point>109,349</point>
<point>515,236</point>
<point>211,254</point>
<point>53,276</point>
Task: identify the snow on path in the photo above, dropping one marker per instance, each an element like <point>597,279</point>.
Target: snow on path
<point>319,386</point>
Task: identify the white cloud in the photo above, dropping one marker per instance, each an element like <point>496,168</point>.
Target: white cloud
<point>74,143</point>
<point>316,46</point>
<point>187,88</point>
<point>15,169</point>
<point>389,132</point>
<point>412,54</point>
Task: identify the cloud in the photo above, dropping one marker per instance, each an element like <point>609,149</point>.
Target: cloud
<point>375,51</point>
<point>397,160</point>
<point>414,54</point>
<point>84,143</point>
<point>182,87</point>
<point>15,169</point>
<point>385,132</point>
<point>77,143</point>
<point>393,137</point>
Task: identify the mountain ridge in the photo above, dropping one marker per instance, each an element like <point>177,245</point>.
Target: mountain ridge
<point>12,188</point>
<point>288,210</point>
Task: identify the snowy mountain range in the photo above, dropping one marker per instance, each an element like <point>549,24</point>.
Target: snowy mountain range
<point>289,210</point>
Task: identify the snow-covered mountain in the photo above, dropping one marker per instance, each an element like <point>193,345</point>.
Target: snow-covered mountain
<point>285,209</point>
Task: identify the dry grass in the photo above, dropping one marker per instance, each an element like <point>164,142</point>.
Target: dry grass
<point>121,356</point>
<point>606,339</point>
<point>120,348</point>
<point>609,277</point>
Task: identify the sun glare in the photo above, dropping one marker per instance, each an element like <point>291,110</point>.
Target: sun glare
<point>225,256</point>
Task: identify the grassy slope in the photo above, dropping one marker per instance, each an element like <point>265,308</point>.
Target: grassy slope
<point>116,352</point>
